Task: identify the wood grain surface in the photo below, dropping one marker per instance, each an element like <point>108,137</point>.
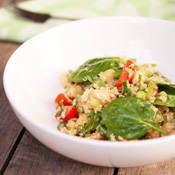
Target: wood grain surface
<point>10,128</point>
<point>33,158</point>
<point>162,168</point>
<point>21,154</point>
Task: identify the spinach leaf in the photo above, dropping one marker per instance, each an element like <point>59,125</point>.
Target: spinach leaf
<point>92,123</point>
<point>89,71</point>
<point>170,102</point>
<point>168,88</point>
<point>104,132</point>
<point>129,117</point>
<point>117,72</point>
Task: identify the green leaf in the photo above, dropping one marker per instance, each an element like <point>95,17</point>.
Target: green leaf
<point>168,88</point>
<point>117,73</point>
<point>150,89</point>
<point>127,89</point>
<point>170,102</point>
<point>130,117</point>
<point>89,71</point>
<point>92,123</point>
<point>104,132</point>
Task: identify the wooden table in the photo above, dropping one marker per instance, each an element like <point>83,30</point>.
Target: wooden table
<point>21,154</point>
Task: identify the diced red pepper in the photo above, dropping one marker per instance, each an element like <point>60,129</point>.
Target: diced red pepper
<point>71,98</point>
<point>132,76</point>
<point>125,75</point>
<point>128,63</point>
<point>72,112</point>
<point>61,98</point>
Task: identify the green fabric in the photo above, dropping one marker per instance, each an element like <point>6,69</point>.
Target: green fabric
<point>19,29</point>
<point>88,8</point>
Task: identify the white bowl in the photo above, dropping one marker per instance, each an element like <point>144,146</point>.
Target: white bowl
<point>32,73</point>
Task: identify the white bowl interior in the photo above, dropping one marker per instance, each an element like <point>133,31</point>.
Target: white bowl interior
<point>32,75</point>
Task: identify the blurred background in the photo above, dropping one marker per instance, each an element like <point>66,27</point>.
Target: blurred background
<point>20,20</point>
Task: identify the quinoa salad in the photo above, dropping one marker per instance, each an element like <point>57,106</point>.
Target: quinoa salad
<point>116,99</point>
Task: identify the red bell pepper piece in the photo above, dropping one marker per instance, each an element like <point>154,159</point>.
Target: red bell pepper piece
<point>71,112</point>
<point>61,98</point>
<point>128,63</point>
<point>124,76</point>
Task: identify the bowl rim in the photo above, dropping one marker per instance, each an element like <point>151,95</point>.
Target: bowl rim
<point>57,133</point>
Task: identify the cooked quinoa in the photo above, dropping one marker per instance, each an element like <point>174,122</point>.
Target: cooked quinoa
<point>115,99</point>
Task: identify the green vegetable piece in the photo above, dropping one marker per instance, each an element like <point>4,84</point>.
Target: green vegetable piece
<point>94,102</point>
<point>150,90</point>
<point>170,102</point>
<point>168,88</point>
<point>140,81</point>
<point>130,117</point>
<point>117,73</point>
<point>127,89</point>
<point>98,83</point>
<point>167,95</point>
<point>92,123</point>
<point>103,131</point>
<point>162,96</point>
<point>89,71</point>
<point>141,94</point>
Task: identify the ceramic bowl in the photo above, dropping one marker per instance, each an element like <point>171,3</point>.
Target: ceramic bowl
<point>31,82</point>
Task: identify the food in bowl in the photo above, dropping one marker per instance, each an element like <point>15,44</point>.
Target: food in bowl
<point>116,99</point>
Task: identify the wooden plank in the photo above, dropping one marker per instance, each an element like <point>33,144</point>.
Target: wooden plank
<point>10,128</point>
<point>9,125</point>
<point>5,2</point>
<point>162,168</point>
<point>33,158</point>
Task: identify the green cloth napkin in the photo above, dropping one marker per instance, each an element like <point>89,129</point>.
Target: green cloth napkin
<point>18,29</point>
<point>89,8</point>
